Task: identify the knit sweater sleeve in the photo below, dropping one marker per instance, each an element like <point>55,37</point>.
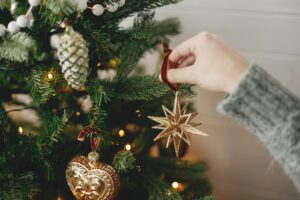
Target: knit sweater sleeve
<point>272,113</point>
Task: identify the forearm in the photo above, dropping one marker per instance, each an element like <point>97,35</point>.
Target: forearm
<point>271,112</point>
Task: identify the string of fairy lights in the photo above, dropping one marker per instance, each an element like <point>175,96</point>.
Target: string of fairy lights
<point>26,20</point>
<point>175,185</point>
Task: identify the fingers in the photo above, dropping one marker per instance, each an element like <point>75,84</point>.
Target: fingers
<point>186,63</point>
<point>183,50</point>
<point>190,60</point>
<point>181,75</point>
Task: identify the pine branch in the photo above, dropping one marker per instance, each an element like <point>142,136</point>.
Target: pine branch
<point>97,118</point>
<point>53,126</point>
<point>143,36</point>
<point>145,28</point>
<point>205,198</point>
<point>124,161</point>
<point>100,93</point>
<point>19,47</point>
<point>5,4</point>
<point>4,120</point>
<point>141,88</point>
<point>40,88</point>
<point>56,126</point>
<point>160,30</point>
<point>98,40</point>
<point>156,188</point>
<point>61,7</point>
<point>186,91</point>
<point>132,7</point>
<point>19,187</point>
<point>183,170</point>
<point>130,54</point>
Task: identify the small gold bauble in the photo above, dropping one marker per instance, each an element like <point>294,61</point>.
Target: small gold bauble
<point>113,63</point>
<point>89,179</point>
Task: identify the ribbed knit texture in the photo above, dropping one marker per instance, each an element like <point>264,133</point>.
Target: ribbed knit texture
<point>271,112</point>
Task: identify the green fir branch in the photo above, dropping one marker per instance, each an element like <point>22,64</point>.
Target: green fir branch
<point>97,118</point>
<point>5,4</point>
<point>100,93</point>
<point>144,35</point>
<point>183,170</point>
<point>4,120</point>
<point>56,127</point>
<point>161,30</point>
<point>19,187</point>
<point>60,7</point>
<point>209,197</point>
<point>145,28</point>
<point>98,40</point>
<point>131,52</point>
<point>40,88</point>
<point>141,88</point>
<point>132,7</point>
<point>157,189</point>
<point>53,127</point>
<point>186,91</point>
<point>18,47</point>
<point>124,161</point>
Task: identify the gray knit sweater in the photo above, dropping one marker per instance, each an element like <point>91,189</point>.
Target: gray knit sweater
<point>272,113</point>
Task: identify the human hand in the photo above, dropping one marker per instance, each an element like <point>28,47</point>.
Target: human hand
<point>207,61</point>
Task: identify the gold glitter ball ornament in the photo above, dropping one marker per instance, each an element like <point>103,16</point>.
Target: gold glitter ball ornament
<point>90,179</point>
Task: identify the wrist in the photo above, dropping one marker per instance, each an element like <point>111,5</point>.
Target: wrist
<point>237,74</point>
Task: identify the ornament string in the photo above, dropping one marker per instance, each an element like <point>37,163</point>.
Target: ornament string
<point>92,134</point>
<point>166,65</point>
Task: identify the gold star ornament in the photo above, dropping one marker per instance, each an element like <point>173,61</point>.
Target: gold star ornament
<point>176,125</point>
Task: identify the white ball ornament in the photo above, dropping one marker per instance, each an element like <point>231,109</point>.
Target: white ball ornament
<point>13,27</point>
<point>112,7</point>
<point>54,41</point>
<point>98,9</point>
<point>81,5</point>
<point>2,30</point>
<point>22,21</point>
<point>121,3</point>
<point>34,2</point>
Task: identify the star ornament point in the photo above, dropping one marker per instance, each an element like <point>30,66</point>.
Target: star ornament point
<point>176,126</point>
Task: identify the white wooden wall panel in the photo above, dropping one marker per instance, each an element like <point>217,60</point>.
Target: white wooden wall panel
<point>240,167</point>
<point>289,7</point>
<point>245,31</point>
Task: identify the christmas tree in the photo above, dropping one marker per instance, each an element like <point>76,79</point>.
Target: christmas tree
<point>79,72</point>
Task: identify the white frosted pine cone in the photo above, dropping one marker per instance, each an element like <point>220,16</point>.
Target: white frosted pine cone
<point>73,57</point>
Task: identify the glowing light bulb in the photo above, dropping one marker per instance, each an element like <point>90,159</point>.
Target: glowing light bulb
<point>178,187</point>
<point>128,147</point>
<point>50,76</point>
<point>77,113</point>
<point>20,130</point>
<point>175,185</point>
<point>121,133</point>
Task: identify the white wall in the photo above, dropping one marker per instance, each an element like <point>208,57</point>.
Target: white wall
<point>269,31</point>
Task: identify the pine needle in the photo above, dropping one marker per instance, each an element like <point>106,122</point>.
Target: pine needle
<point>17,47</point>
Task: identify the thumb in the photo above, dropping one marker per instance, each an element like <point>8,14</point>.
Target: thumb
<point>181,75</point>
